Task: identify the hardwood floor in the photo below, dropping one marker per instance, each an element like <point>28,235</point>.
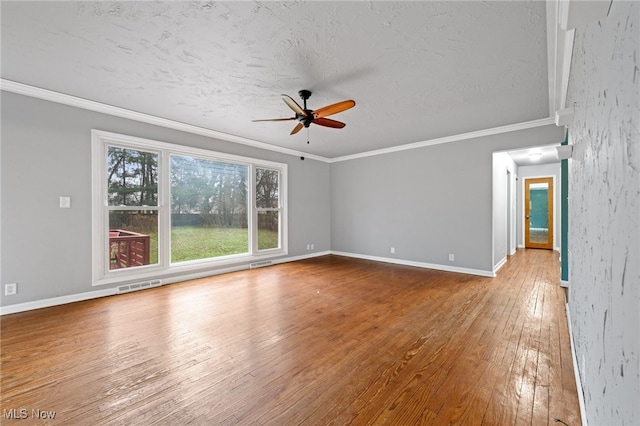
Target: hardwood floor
<point>329,340</point>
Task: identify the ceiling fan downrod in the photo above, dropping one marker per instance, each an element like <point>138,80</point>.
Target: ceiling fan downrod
<point>304,94</point>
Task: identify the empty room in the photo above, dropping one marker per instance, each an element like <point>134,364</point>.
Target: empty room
<point>318,212</point>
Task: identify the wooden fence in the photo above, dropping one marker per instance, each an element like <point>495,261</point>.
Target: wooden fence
<point>127,249</point>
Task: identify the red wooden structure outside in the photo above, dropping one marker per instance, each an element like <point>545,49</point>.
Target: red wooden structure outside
<point>127,249</point>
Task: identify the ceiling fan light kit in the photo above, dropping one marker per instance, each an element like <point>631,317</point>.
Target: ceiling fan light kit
<point>306,116</point>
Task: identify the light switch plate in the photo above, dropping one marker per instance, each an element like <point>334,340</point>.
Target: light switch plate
<point>65,202</point>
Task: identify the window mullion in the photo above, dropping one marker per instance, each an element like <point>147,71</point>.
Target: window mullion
<point>164,213</point>
<point>253,213</point>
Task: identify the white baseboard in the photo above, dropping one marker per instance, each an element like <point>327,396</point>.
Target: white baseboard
<point>447,268</point>
<point>499,265</point>
<point>302,257</point>
<point>79,297</point>
<point>576,371</point>
<point>55,301</point>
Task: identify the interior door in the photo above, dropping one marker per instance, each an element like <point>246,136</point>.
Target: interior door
<point>538,213</point>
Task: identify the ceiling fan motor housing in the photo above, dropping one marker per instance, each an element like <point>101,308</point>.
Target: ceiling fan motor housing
<point>306,120</point>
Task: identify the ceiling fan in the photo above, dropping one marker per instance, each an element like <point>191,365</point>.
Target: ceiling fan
<point>306,116</point>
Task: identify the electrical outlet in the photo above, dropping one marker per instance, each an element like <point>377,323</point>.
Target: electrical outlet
<point>312,247</point>
<point>308,246</point>
<point>392,250</point>
<point>451,257</point>
<point>10,289</point>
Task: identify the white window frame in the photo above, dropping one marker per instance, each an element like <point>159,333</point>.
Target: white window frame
<point>101,274</point>
<point>255,210</point>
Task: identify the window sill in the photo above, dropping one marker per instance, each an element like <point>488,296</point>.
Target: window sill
<point>235,262</point>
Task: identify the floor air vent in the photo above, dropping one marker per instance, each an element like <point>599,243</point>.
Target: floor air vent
<point>139,286</point>
<point>260,264</point>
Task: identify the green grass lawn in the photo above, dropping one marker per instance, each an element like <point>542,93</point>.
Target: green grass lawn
<point>192,243</point>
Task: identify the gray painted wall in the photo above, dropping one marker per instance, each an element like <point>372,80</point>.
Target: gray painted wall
<point>46,153</point>
<point>426,202</point>
<point>604,214</point>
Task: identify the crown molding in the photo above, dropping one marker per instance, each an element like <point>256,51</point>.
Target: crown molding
<point>563,17</point>
<point>61,98</point>
<point>454,138</point>
<point>74,101</point>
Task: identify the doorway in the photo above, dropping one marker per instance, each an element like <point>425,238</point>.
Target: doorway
<point>538,213</point>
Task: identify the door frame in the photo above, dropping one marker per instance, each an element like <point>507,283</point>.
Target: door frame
<point>549,180</point>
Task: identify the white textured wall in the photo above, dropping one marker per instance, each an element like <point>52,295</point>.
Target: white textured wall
<point>604,215</point>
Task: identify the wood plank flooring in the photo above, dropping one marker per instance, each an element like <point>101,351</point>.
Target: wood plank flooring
<point>324,341</point>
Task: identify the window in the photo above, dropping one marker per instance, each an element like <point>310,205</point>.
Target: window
<point>132,206</point>
<point>208,208</point>
<point>268,208</point>
<point>159,207</point>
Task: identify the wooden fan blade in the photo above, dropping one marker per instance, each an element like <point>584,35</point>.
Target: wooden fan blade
<point>293,105</point>
<point>327,122</point>
<point>275,119</point>
<point>296,129</point>
<point>333,109</point>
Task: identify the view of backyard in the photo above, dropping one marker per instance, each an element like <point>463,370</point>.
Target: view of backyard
<point>197,243</point>
<point>209,208</point>
<point>189,243</point>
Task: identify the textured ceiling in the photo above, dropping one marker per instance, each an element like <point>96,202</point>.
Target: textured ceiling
<point>417,70</point>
